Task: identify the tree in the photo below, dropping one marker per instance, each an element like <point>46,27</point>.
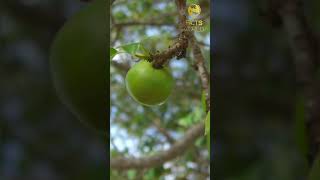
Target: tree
<point>166,140</point>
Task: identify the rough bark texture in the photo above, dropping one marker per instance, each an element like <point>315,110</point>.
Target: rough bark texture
<point>202,71</point>
<point>178,49</point>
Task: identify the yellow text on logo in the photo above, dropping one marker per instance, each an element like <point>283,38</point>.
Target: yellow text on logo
<point>194,22</point>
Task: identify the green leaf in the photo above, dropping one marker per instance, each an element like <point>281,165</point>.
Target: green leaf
<point>299,126</point>
<point>192,2</point>
<point>113,52</point>
<point>191,118</point>
<point>207,123</point>
<point>150,174</point>
<point>130,48</point>
<point>208,143</point>
<point>186,121</point>
<point>142,56</point>
<point>315,170</point>
<point>131,174</point>
<point>200,142</point>
<point>197,114</point>
<point>207,130</point>
<point>203,101</point>
<point>136,49</point>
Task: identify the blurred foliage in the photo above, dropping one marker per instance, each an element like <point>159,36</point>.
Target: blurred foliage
<point>135,129</point>
<point>315,171</point>
<point>39,138</point>
<point>258,130</point>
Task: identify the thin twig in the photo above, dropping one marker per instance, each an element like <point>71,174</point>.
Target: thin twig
<point>163,131</point>
<point>114,145</point>
<point>202,70</point>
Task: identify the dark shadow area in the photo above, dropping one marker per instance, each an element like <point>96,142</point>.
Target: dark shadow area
<point>39,138</point>
<point>254,96</point>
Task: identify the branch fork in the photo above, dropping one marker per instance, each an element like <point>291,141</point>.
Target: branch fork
<point>178,49</point>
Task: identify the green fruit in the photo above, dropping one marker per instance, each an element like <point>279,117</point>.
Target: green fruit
<point>79,65</point>
<point>147,85</point>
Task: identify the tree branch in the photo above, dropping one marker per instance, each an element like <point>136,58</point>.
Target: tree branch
<point>203,44</point>
<point>179,147</point>
<point>202,70</point>
<point>143,23</point>
<point>178,49</point>
<point>163,131</point>
<point>158,159</point>
<point>304,49</point>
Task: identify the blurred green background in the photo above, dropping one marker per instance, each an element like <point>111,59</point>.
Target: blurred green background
<point>39,138</point>
<point>254,98</point>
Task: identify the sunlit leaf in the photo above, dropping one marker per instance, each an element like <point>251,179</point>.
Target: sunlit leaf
<point>130,48</point>
<point>203,101</point>
<point>186,121</point>
<point>200,141</point>
<point>207,123</point>
<point>192,2</point>
<point>207,130</point>
<point>191,118</point>
<point>136,50</point>
<point>150,174</point>
<point>113,52</point>
<point>131,174</point>
<point>208,143</point>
